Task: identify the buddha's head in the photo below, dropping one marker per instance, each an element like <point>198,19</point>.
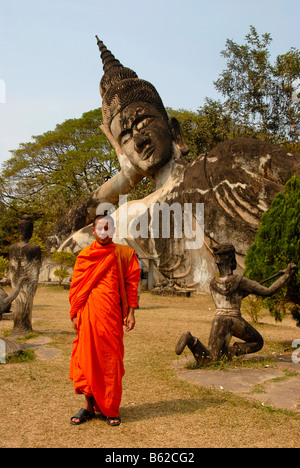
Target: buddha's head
<point>135,115</point>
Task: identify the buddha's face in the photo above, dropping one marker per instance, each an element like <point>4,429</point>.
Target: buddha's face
<point>144,135</point>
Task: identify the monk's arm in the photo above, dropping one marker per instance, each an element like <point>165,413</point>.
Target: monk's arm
<point>132,280</point>
<point>130,320</point>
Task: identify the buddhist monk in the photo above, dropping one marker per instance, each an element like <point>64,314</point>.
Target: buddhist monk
<point>103,296</point>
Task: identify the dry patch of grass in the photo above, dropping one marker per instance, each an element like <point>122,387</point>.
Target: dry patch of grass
<point>158,409</point>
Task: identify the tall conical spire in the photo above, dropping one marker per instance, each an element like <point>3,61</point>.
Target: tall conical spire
<point>120,86</point>
<point>114,72</point>
<point>108,59</point>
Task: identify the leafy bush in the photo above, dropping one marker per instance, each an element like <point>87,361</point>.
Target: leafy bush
<point>4,266</point>
<point>65,261</point>
<point>277,243</point>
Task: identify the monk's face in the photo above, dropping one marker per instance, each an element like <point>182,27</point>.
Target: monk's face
<point>103,231</point>
<point>144,135</point>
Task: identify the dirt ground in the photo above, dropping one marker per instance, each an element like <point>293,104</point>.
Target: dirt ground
<point>165,403</point>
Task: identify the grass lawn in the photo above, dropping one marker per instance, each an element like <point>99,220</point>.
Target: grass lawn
<point>158,409</point>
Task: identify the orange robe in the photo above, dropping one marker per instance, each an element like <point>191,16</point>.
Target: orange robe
<point>104,285</point>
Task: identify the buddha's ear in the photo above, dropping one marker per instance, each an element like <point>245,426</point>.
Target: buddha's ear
<point>178,136</point>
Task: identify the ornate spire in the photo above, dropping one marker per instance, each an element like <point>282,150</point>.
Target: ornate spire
<point>108,59</point>
<point>120,86</point>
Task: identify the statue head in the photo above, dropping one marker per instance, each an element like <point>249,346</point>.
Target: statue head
<point>25,228</point>
<point>135,115</point>
<point>225,259</point>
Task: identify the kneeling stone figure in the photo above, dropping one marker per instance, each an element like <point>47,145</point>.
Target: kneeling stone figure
<point>228,291</point>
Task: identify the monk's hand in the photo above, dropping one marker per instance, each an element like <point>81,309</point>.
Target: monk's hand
<point>74,322</point>
<point>130,319</point>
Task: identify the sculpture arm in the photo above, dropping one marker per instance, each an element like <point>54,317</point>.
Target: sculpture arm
<point>252,287</point>
<point>120,184</point>
<point>5,303</point>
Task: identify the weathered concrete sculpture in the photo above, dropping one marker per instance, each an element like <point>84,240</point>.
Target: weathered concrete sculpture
<point>228,291</point>
<point>236,182</point>
<point>9,347</point>
<point>24,260</point>
<point>6,300</point>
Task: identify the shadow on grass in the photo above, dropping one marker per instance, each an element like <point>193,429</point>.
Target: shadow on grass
<point>167,408</point>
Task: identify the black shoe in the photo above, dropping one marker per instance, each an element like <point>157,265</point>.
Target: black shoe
<point>83,416</point>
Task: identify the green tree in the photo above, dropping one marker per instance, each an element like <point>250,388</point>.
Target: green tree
<point>8,226</point>
<point>277,243</point>
<point>65,261</point>
<point>204,129</point>
<point>285,110</point>
<point>259,94</point>
<point>4,266</point>
<point>45,177</point>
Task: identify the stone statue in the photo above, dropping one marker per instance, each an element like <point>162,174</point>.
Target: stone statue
<point>6,300</point>
<point>228,291</point>
<point>24,260</point>
<point>236,181</point>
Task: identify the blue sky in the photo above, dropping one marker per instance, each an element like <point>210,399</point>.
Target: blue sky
<point>50,66</point>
